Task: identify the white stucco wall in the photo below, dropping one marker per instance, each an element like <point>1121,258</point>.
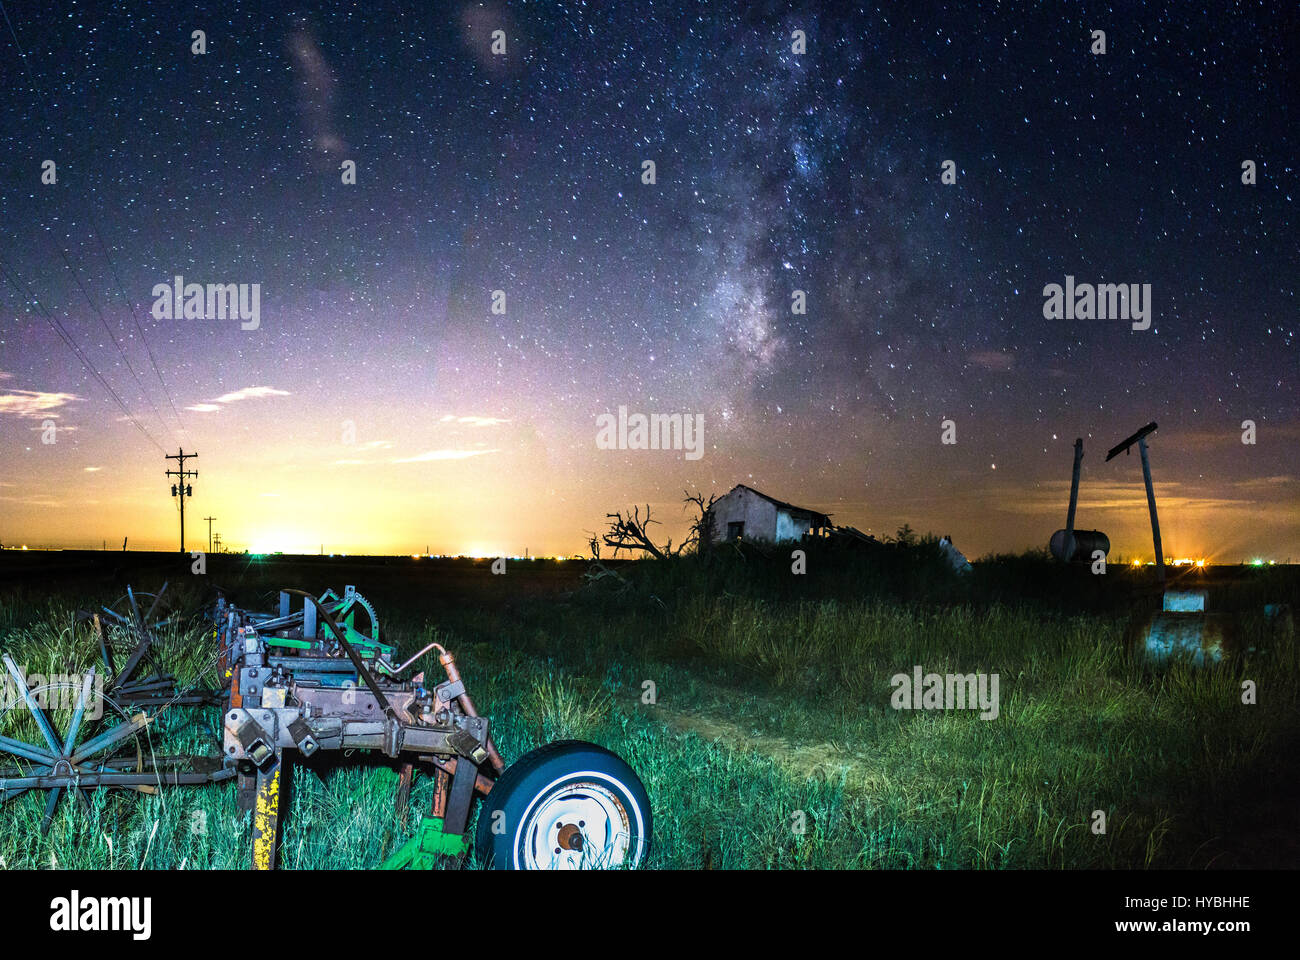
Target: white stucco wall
<point>791,528</point>
<point>745,506</point>
<point>762,519</point>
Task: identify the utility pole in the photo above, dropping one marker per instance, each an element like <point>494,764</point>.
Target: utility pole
<point>1140,438</point>
<point>181,488</point>
<point>217,543</point>
<point>1151,506</point>
<point>209,519</point>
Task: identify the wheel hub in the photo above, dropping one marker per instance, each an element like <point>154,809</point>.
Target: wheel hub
<point>579,826</point>
<point>569,837</point>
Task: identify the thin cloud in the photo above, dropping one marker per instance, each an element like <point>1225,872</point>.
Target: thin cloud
<point>1265,483</point>
<point>445,455</point>
<point>250,393</point>
<point>475,421</point>
<point>1049,497</point>
<point>244,393</point>
<point>34,403</point>
<point>994,360</point>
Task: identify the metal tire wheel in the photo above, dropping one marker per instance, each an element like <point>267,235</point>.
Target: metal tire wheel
<point>155,608</point>
<point>568,805</point>
<point>64,755</point>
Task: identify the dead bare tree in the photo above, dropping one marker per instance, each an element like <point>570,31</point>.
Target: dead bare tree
<point>631,533</point>
<point>701,535</point>
<point>596,569</point>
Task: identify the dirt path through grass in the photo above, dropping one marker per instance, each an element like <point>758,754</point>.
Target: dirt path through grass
<point>812,760</point>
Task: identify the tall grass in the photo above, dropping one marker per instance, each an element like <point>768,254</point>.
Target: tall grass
<point>770,741</point>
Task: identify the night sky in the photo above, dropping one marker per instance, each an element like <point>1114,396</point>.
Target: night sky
<point>381,406</point>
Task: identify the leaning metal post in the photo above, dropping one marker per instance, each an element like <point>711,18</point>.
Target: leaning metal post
<point>1151,505</point>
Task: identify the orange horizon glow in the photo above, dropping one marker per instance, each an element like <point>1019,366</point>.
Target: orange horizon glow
<point>488,481</point>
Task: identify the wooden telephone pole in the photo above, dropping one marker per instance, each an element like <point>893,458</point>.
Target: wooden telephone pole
<point>181,488</point>
<point>209,519</point>
<point>1140,438</point>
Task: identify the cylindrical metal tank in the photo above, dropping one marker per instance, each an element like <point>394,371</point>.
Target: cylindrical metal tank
<point>1085,542</point>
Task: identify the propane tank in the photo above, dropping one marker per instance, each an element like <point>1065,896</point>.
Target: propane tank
<point>1085,542</point>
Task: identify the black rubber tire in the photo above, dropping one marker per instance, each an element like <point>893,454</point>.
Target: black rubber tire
<point>545,772</point>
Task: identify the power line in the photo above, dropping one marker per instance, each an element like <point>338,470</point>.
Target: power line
<point>12,279</point>
<point>112,336</point>
<point>59,328</point>
<point>21,54</point>
<point>131,303</point>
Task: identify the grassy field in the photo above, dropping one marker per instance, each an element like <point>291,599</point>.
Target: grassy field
<point>771,710</point>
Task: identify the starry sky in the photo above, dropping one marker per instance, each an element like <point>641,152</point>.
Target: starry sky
<point>382,406</point>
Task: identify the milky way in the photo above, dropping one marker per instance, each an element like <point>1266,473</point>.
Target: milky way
<point>391,408</point>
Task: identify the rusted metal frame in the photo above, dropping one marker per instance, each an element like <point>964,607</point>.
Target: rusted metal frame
<point>460,798</point>
<point>145,687</point>
<point>441,782</point>
<point>466,704</point>
<point>142,648</point>
<point>447,767</point>
<point>111,778</point>
<point>402,800</point>
<point>107,739</point>
<point>8,793</point>
<point>357,662</point>
<point>161,700</point>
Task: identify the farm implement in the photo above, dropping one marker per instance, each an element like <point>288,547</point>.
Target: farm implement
<point>311,679</point>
